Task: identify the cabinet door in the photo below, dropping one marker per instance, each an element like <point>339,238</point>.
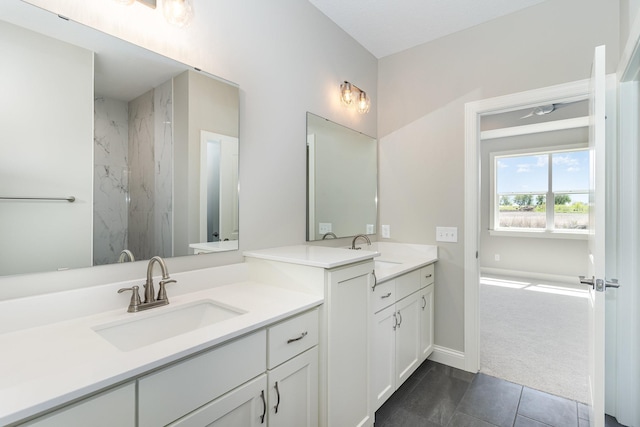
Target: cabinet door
<point>407,337</point>
<point>426,322</point>
<point>115,407</point>
<point>293,392</point>
<point>349,319</point>
<point>243,406</point>
<point>383,356</point>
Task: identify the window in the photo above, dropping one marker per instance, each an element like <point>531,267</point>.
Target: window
<point>541,191</point>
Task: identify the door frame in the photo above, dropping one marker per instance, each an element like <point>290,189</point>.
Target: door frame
<point>568,92</point>
<point>622,401</point>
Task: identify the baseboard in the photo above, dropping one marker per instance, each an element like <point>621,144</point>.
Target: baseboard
<point>559,278</point>
<point>449,357</point>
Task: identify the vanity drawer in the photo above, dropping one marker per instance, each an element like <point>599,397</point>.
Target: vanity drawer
<point>292,337</point>
<point>427,275</point>
<point>383,295</point>
<point>172,392</point>
<point>407,284</point>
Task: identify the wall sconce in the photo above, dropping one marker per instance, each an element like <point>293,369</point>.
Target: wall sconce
<point>351,94</point>
<point>176,12</point>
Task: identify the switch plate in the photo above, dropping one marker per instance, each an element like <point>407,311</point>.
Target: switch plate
<point>386,231</point>
<point>447,234</point>
<point>370,229</point>
<point>324,227</point>
<point>497,257</point>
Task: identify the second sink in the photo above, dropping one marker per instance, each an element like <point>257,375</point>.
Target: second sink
<point>137,332</point>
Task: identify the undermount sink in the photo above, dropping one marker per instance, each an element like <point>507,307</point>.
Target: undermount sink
<point>168,322</point>
<point>385,264</point>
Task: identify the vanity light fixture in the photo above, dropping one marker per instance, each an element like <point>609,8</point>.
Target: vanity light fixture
<point>176,12</point>
<point>351,94</point>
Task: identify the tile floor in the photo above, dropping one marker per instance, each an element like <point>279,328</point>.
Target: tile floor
<point>440,396</point>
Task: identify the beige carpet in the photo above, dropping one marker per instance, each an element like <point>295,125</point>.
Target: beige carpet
<point>535,334</point>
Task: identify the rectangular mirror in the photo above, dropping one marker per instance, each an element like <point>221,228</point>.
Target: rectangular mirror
<point>342,180</point>
<point>146,147</point>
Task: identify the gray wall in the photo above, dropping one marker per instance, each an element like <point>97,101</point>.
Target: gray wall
<point>422,92</point>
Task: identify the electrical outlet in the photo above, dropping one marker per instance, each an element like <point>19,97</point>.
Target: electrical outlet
<point>447,234</point>
<point>497,257</point>
<point>370,229</point>
<point>386,231</point>
<point>324,227</point>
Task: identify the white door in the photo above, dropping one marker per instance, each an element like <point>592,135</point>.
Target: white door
<point>293,392</point>
<point>383,355</point>
<point>408,311</point>
<point>596,264</point>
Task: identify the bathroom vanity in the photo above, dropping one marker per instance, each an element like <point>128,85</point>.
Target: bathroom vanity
<point>292,336</point>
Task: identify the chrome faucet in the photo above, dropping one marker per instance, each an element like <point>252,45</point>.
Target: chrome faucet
<point>353,243</point>
<point>126,254</point>
<point>150,299</point>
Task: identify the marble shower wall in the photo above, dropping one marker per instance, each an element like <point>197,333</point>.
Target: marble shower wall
<point>110,185</point>
<point>133,176</point>
<point>163,117</point>
<point>150,183</point>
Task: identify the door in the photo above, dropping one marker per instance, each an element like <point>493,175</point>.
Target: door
<point>426,322</point>
<point>408,312</point>
<point>383,355</point>
<point>293,392</point>
<point>596,262</point>
<point>243,406</point>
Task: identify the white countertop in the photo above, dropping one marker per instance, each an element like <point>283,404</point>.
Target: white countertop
<point>49,365</point>
<point>398,258</point>
<point>314,256</point>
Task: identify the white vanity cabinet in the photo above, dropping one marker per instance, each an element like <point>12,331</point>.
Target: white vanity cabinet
<point>267,378</point>
<point>169,394</point>
<point>402,330</point>
<point>344,356</point>
<point>115,407</point>
<point>293,372</point>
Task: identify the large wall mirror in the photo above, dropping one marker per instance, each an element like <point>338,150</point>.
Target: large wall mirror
<point>342,171</point>
<point>109,150</point>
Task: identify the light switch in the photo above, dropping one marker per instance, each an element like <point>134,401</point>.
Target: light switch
<point>386,231</point>
<point>447,234</point>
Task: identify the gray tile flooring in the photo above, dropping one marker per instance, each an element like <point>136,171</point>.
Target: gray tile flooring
<point>440,396</point>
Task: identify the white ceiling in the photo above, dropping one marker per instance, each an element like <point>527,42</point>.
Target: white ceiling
<point>385,27</point>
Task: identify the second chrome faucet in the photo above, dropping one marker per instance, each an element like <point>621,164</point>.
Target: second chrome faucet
<point>150,300</point>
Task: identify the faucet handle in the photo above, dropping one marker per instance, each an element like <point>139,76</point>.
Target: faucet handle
<point>162,293</point>
<point>135,298</point>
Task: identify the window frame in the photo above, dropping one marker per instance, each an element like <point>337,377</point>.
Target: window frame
<point>550,231</point>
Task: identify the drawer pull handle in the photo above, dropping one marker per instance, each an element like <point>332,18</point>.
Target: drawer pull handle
<point>278,394</point>
<point>264,405</point>
<point>302,335</point>
<point>395,321</point>
<point>428,276</point>
<point>375,281</point>
<point>424,300</point>
<point>386,296</point>
<point>399,317</point>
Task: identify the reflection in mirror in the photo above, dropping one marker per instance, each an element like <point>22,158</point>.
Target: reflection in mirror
<point>342,173</point>
<point>121,130</point>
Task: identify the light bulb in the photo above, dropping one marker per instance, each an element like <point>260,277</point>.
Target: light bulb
<point>363,103</point>
<point>346,93</point>
<point>178,12</point>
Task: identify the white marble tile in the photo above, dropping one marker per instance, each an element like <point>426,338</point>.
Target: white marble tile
<point>163,116</point>
<point>110,180</point>
<point>142,182</point>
